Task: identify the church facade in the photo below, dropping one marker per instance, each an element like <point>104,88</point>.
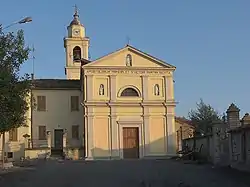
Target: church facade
<point>118,106</point>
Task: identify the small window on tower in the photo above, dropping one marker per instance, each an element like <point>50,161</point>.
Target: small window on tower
<point>77,54</point>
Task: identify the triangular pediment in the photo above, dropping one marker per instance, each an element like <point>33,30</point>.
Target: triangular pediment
<point>119,59</point>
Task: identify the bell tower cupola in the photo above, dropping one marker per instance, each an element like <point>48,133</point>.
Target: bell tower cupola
<point>76,46</point>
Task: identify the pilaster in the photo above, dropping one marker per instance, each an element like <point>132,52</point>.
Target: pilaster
<point>90,143</point>
<point>169,88</point>
<point>146,135</point>
<point>112,83</point>
<point>64,139</point>
<point>115,146</point>
<point>49,139</point>
<point>145,88</point>
<point>67,51</point>
<point>89,85</point>
<point>171,134</point>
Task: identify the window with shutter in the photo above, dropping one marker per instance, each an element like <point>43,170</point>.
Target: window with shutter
<point>41,103</point>
<point>42,132</point>
<point>13,134</point>
<point>74,103</point>
<point>75,132</point>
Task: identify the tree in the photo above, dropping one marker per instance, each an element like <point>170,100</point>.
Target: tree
<point>203,117</point>
<point>14,88</point>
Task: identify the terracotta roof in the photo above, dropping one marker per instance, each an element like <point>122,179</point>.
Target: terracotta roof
<point>183,120</point>
<point>56,84</point>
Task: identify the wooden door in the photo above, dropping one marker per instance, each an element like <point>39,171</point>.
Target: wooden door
<point>58,138</point>
<point>130,142</point>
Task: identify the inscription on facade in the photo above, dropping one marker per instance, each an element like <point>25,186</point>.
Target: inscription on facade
<point>132,72</point>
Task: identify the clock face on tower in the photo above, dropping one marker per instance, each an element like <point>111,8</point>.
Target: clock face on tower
<point>76,32</point>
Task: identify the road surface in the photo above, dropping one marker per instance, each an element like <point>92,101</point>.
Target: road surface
<point>124,173</point>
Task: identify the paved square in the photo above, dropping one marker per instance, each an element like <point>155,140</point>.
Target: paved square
<point>124,173</point>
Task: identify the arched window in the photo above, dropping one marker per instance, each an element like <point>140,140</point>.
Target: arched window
<point>129,60</point>
<point>157,90</point>
<point>101,89</point>
<point>77,53</point>
<point>129,92</point>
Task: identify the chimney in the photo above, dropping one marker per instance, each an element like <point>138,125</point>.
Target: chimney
<point>233,116</point>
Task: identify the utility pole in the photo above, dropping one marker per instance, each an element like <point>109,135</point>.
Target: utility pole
<point>31,94</point>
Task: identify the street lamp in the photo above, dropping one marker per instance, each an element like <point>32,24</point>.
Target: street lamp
<point>22,21</point>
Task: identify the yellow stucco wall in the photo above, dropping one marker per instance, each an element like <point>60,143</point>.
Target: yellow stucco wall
<point>111,112</point>
<point>157,136</point>
<point>71,41</point>
<point>118,59</point>
<point>101,137</point>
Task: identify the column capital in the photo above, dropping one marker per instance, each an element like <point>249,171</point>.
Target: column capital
<point>169,115</point>
<point>90,75</point>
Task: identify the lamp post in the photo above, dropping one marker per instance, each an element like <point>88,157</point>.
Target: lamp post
<point>22,21</point>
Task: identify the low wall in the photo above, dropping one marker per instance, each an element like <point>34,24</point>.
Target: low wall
<point>204,144</point>
<point>37,153</point>
<point>41,153</point>
<point>74,153</point>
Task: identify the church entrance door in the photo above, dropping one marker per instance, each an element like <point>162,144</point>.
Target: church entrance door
<point>130,142</point>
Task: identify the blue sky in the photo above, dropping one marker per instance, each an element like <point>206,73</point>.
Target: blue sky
<point>208,41</point>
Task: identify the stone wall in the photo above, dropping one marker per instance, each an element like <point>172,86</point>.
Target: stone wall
<point>240,146</point>
<point>214,147</point>
<point>229,143</point>
<point>204,145</point>
<point>239,138</point>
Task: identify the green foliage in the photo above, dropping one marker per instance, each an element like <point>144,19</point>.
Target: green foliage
<point>14,88</point>
<point>203,117</point>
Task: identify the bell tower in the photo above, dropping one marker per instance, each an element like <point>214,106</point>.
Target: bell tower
<point>76,46</point>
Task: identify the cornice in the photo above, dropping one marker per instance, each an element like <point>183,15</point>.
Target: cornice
<point>74,67</point>
<point>76,39</point>
<point>129,103</point>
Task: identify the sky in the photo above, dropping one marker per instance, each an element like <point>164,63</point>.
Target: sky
<point>208,41</point>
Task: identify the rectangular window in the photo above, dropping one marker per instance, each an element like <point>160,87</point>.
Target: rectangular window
<point>10,155</point>
<point>41,103</point>
<point>74,103</point>
<point>13,134</point>
<point>75,132</point>
<point>42,132</point>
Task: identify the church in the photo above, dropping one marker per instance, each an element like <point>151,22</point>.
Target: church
<point>119,106</point>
